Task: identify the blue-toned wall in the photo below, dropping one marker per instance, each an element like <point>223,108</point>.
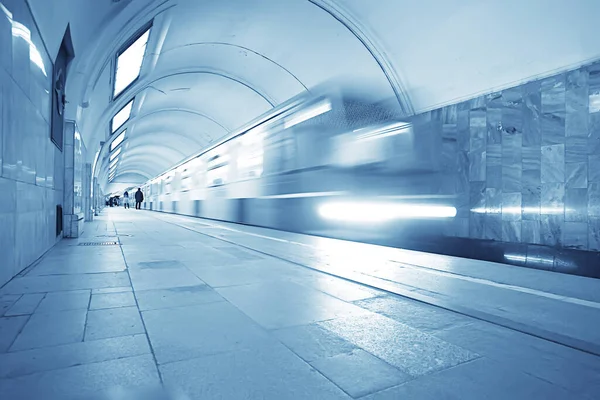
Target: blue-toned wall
<point>31,167</point>
<point>525,162</point>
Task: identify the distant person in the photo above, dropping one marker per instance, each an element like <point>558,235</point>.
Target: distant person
<point>139,197</point>
<point>126,199</point>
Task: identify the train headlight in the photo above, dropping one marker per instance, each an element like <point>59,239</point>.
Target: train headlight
<point>375,212</point>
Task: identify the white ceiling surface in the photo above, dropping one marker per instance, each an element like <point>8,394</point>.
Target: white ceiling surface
<point>213,65</point>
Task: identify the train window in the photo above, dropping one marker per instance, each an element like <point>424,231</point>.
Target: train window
<point>118,140</point>
<point>217,167</point>
<point>121,117</point>
<point>251,154</point>
<point>186,179</point>
<point>168,184</point>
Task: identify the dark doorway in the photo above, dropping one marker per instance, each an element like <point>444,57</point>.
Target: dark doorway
<point>59,79</point>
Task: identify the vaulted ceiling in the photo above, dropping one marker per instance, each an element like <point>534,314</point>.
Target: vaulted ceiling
<point>212,65</point>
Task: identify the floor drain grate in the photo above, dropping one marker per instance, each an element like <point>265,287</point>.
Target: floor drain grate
<point>99,244</point>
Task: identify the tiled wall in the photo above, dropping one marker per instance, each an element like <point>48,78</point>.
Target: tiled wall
<point>525,162</point>
<point>31,167</point>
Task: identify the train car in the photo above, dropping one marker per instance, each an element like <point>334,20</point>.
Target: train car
<point>326,163</point>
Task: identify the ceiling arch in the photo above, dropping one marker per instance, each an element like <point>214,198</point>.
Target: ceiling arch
<point>423,54</point>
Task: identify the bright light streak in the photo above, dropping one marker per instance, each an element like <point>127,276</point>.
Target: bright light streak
<point>514,257</point>
<point>531,259</point>
<point>118,140</point>
<point>316,110</point>
<point>20,30</point>
<point>115,154</point>
<point>129,63</point>
<point>121,116</point>
<point>382,212</point>
<point>594,101</point>
<point>519,210</point>
<point>381,132</point>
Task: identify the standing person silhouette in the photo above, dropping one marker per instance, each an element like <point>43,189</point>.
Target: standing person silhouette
<point>139,197</point>
<point>126,199</point>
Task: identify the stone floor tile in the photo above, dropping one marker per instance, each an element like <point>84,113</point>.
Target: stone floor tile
<point>276,305</point>
<point>55,283</point>
<point>311,342</point>
<point>176,297</point>
<point>112,290</point>
<point>79,265</point>
<point>82,381</point>
<point>418,315</point>
<point>475,380</point>
<point>193,331</point>
<point>162,278</point>
<point>576,371</point>
<point>113,322</point>
<point>51,329</point>
<point>406,348</point>
<point>48,358</point>
<point>6,302</point>
<point>112,300</point>
<point>267,373</point>
<point>62,301</point>
<point>342,289</point>
<point>360,373</point>
<point>9,329</point>
<point>25,305</point>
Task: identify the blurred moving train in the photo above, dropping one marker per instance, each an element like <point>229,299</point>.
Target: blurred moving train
<point>330,163</point>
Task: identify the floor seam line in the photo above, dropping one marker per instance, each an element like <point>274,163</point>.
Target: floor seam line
<point>160,377</point>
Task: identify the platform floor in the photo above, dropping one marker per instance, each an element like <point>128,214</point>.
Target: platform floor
<point>169,307</point>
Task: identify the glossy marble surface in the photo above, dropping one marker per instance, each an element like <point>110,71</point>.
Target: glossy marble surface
<point>31,166</point>
<point>526,161</point>
<point>246,323</point>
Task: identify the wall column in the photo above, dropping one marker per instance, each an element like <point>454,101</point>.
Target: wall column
<point>73,218</point>
<point>87,193</point>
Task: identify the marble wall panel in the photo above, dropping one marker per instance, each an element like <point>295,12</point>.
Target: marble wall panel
<point>511,206</point>
<point>511,231</point>
<point>27,156</point>
<point>553,164</point>
<point>532,111</point>
<point>594,168</point>
<point>594,199</point>
<point>576,204</point>
<point>530,232</point>
<point>576,235</point>
<point>493,201</point>
<point>463,126</point>
<point>494,125</point>
<point>533,148</point>
<point>576,175</point>
<point>552,229</point>
<point>3,113</point>
<point>576,149</point>
<point>477,206</point>
<point>512,177</point>
<point>553,110</point>
<point>6,45</point>
<point>553,199</point>
<point>493,227</point>
<point>594,233</point>
<point>576,103</point>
